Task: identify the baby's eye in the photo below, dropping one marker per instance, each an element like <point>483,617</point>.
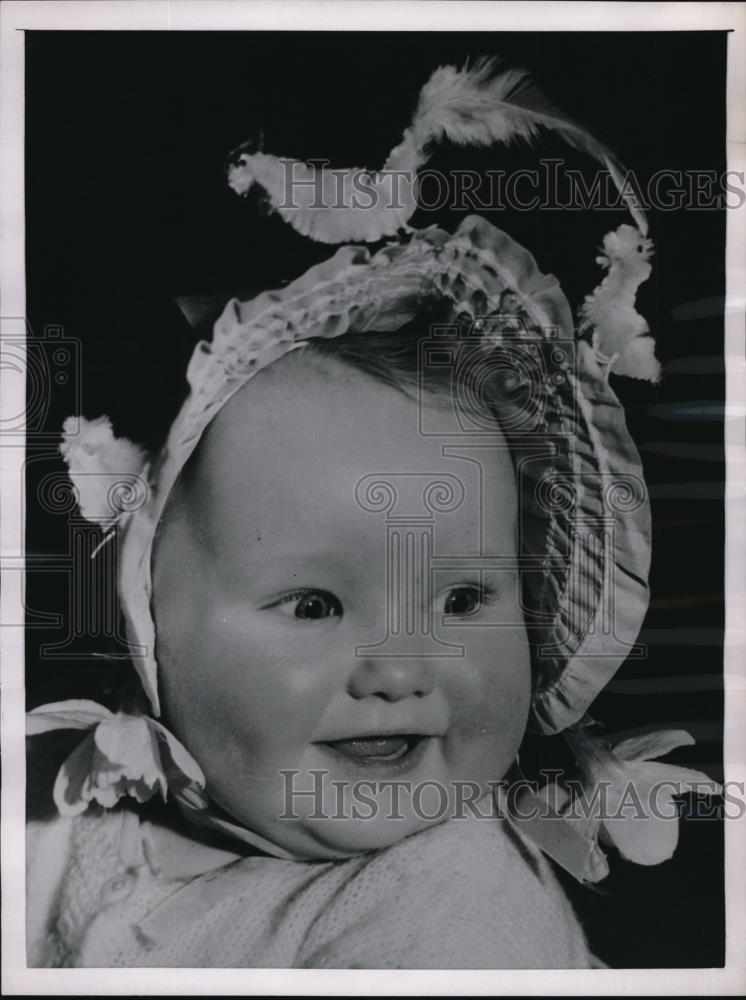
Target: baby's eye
<point>464,600</point>
<point>309,605</point>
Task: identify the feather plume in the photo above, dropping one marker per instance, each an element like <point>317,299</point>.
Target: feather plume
<point>473,106</point>
<point>106,471</point>
<point>476,107</point>
<point>619,331</point>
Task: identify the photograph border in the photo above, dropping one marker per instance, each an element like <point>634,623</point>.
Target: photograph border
<point>16,16</point>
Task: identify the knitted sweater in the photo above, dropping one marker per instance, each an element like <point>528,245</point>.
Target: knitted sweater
<point>111,889</point>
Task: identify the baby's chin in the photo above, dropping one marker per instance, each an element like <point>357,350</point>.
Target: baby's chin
<point>364,826</point>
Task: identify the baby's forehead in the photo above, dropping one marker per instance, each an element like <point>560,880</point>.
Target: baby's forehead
<point>301,445</point>
<point>300,409</point>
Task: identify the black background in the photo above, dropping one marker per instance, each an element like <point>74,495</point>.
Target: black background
<point>127,207</point>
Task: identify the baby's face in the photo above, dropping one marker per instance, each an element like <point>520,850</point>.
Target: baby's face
<point>296,635</point>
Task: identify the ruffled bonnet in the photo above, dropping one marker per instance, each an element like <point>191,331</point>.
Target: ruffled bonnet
<point>584,485</point>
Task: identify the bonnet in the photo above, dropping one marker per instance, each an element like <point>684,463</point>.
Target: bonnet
<point>581,477</point>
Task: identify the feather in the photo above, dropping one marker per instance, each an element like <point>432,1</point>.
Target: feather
<point>329,206</point>
<point>473,106</point>
<point>106,471</point>
<point>619,331</point>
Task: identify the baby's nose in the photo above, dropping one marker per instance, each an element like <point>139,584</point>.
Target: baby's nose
<point>391,678</point>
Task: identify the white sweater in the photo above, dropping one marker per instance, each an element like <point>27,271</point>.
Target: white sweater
<point>109,889</point>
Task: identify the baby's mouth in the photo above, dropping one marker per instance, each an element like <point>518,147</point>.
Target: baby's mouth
<point>377,748</point>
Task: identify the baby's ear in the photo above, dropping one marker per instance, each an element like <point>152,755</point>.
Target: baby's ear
<point>109,473</point>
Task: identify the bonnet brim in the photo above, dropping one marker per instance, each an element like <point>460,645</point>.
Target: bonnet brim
<point>590,494</point>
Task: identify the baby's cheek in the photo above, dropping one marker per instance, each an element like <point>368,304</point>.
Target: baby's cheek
<point>489,695</point>
<point>281,685</point>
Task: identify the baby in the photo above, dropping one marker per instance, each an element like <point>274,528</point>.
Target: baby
<point>373,548</point>
<point>272,598</point>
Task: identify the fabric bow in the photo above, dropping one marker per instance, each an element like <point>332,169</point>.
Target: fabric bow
<point>626,799</point>
<point>122,755</point>
<point>628,796</point>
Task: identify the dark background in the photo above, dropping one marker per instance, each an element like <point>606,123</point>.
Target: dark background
<point>127,208</point>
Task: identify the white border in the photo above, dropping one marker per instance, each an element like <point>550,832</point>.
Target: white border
<point>160,15</point>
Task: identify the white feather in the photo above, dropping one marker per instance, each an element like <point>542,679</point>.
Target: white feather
<point>473,106</point>
<point>619,331</point>
<point>105,470</point>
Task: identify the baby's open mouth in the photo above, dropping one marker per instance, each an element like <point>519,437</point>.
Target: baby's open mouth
<point>377,747</point>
